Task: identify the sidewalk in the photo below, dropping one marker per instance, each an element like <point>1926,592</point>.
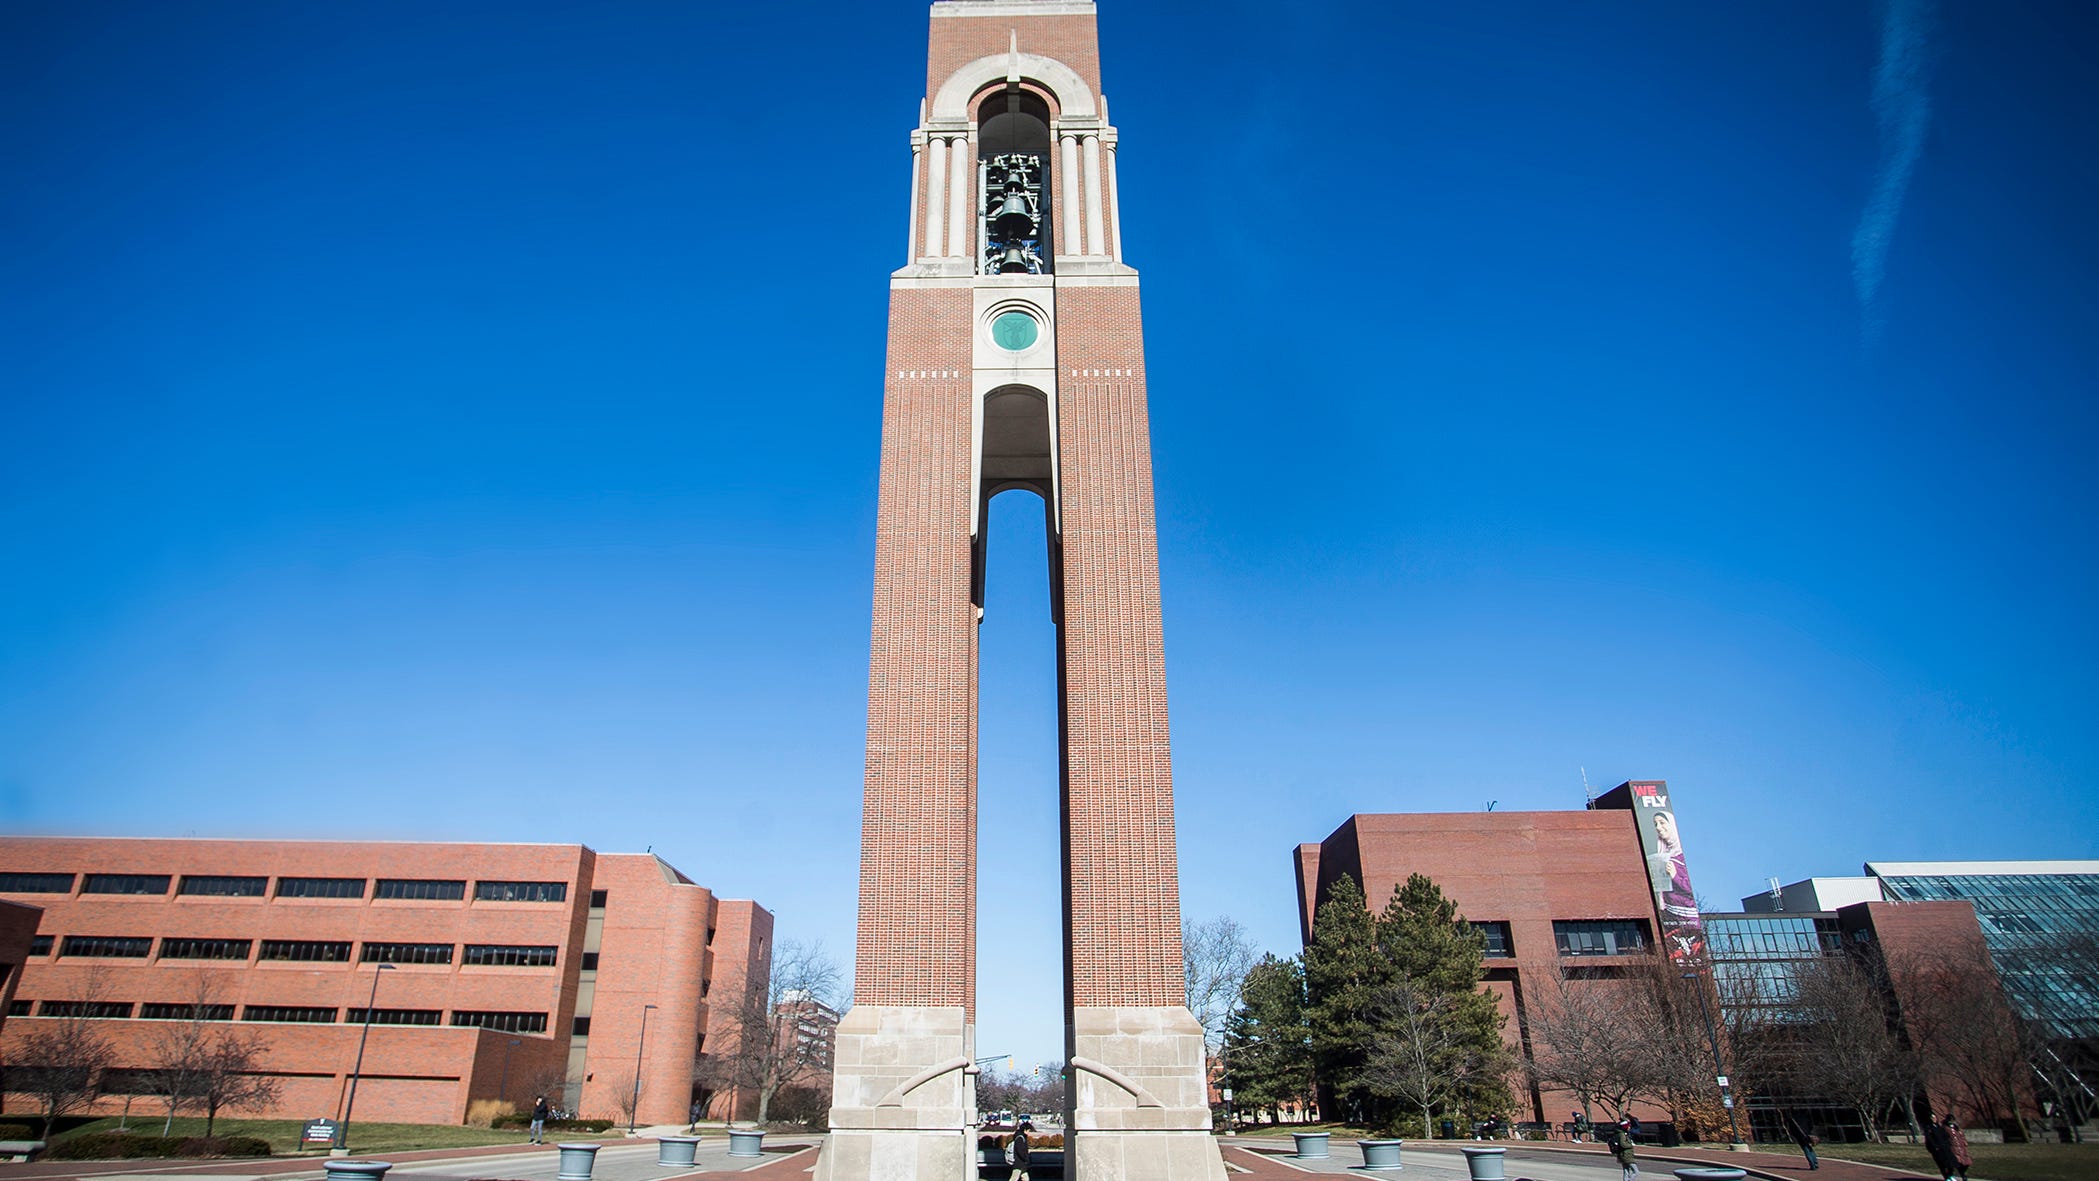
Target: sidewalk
<point>1269,1159</point>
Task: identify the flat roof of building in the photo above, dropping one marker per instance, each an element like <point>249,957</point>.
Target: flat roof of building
<point>1961,869</point>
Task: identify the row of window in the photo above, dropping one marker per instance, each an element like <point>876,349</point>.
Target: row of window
<point>1576,937</point>
<point>322,951</point>
<point>215,886</point>
<point>504,1020</point>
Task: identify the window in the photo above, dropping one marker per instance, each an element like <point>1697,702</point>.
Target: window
<point>1600,937</point>
<point>509,955</point>
<point>36,883</point>
<point>19,1008</point>
<point>422,889</point>
<point>1497,945</point>
<point>40,945</point>
<point>107,946</point>
<point>504,1022</point>
<point>161,1011</point>
<point>223,887</point>
<point>306,950</point>
<point>126,883</point>
<point>520,891</point>
<point>121,1080</point>
<point>84,1009</point>
<point>205,949</point>
<point>407,953</point>
<point>580,1027</point>
<point>597,899</point>
<point>311,1016</point>
<point>590,961</point>
<point>320,887</point>
<point>396,1016</point>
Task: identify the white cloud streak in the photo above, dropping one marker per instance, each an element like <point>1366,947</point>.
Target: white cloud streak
<point>1902,106</point>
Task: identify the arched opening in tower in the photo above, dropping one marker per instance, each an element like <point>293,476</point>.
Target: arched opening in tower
<point>1020,922</point>
<point>1014,160</point>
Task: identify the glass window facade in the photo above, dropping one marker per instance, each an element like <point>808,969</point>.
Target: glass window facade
<point>1757,957</point>
<point>2040,929</point>
<point>1600,937</point>
<point>223,887</point>
<point>520,891</point>
<point>320,887</point>
<point>422,889</point>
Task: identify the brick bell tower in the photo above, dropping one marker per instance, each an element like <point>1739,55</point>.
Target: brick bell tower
<point>1016,361</point>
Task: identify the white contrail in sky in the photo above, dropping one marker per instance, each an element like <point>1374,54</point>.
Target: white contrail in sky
<point>1902,106</point>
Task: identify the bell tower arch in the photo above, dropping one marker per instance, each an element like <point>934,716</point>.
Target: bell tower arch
<point>1015,360</point>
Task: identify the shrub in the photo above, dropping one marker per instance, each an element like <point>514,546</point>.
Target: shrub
<point>222,1146</point>
<point>524,1120</point>
<point>109,1146</point>
<point>17,1132</point>
<point>134,1145</point>
<point>483,1113</point>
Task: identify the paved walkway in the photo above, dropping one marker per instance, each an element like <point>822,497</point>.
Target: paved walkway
<point>1248,1158</point>
<point>1263,1158</point>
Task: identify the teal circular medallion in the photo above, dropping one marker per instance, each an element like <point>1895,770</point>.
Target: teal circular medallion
<point>1015,331</point>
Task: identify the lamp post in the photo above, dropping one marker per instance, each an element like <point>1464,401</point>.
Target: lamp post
<point>1712,1037</point>
<point>342,1130</point>
<point>503,1092</point>
<point>634,1111</point>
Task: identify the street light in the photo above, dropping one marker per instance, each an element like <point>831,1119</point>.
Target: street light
<point>503,1092</point>
<point>342,1130</point>
<point>635,1110</point>
<point>1712,1037</point>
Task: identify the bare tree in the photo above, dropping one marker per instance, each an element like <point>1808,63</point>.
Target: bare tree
<point>768,1047</point>
<point>1962,1027</point>
<point>1429,1055</point>
<point>202,1064</point>
<point>1587,1040</point>
<point>1215,957</point>
<point>627,1096</point>
<point>1846,1047</point>
<point>61,1060</point>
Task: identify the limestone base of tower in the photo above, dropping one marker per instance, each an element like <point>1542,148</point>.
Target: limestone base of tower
<point>1140,1099</point>
<point>903,1096</point>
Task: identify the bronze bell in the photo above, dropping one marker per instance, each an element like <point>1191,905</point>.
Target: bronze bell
<point>1014,261</point>
<point>1013,219</point>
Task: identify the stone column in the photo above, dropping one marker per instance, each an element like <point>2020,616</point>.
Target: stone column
<point>918,164</point>
<point>1096,238</point>
<point>958,197</point>
<point>936,198</point>
<point>1068,180</point>
<point>1114,204</point>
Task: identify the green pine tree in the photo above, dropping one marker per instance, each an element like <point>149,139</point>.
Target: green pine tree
<point>1440,1044</point>
<point>1345,972</point>
<point>1268,1046</point>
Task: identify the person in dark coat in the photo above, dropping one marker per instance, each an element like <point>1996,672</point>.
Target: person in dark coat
<point>1957,1147</point>
<point>1018,1151</point>
<point>1801,1136</point>
<point>1940,1146</point>
<point>1622,1148</point>
<point>539,1120</point>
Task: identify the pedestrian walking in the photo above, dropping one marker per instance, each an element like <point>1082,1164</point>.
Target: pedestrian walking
<point>1581,1126</point>
<point>539,1120</point>
<point>1801,1136</point>
<point>1018,1151</point>
<point>1939,1144</point>
<point>1622,1148</point>
<point>1957,1146</point>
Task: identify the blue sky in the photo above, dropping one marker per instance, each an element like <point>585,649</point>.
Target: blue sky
<point>460,422</point>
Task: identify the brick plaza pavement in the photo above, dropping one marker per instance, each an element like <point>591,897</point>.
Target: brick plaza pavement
<point>1267,1159</point>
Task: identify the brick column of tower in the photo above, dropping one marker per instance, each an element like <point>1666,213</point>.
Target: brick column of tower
<point>1016,361</point>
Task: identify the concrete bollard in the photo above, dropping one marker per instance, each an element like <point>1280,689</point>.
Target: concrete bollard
<point>746,1143</point>
<point>1380,1154</point>
<point>576,1161</point>
<point>1311,1145</point>
<point>355,1170</point>
<point>1484,1164</point>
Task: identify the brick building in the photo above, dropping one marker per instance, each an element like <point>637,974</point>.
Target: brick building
<point>1555,893</point>
<point>492,971</point>
<point>17,935</point>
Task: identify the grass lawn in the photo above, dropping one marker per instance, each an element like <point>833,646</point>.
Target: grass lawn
<point>1993,1162</point>
<point>283,1134</point>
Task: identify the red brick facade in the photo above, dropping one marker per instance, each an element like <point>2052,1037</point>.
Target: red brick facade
<point>473,956</point>
<point>1526,869</point>
<point>17,930</point>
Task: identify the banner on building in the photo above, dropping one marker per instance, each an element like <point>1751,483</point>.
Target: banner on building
<point>1682,932</point>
